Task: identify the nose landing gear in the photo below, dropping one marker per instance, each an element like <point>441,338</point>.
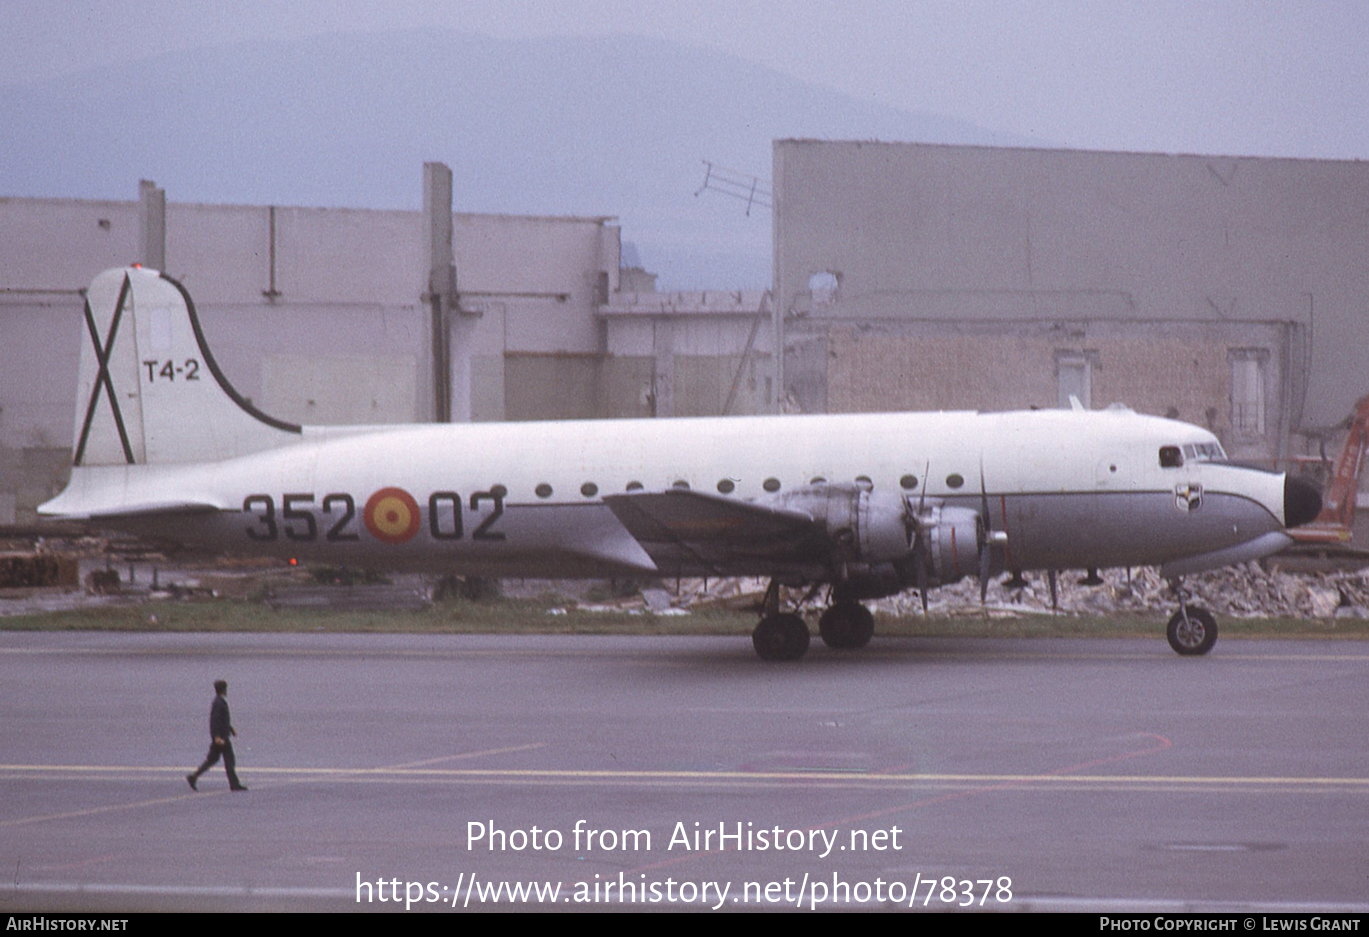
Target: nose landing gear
<point>1192,631</point>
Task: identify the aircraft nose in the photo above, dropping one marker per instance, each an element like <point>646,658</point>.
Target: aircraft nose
<point>1301,502</point>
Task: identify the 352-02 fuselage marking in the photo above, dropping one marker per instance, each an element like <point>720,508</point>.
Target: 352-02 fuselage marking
<point>391,515</point>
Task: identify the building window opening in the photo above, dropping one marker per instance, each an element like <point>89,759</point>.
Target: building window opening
<point>1074,378</point>
<point>1248,367</point>
<point>823,287</point>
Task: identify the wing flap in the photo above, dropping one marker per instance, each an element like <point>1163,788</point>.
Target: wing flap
<point>716,531</point>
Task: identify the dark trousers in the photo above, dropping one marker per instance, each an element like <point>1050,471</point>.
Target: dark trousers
<point>230,762</point>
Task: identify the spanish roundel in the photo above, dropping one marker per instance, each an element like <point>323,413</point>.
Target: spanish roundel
<point>391,515</point>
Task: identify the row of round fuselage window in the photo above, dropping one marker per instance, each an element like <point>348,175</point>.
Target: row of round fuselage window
<point>771,485</point>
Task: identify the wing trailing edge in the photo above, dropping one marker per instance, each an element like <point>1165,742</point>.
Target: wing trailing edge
<point>716,531</point>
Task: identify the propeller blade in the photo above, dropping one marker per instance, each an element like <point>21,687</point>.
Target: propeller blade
<point>920,564</point>
<point>985,535</point>
<point>984,559</point>
<point>984,497</point>
<point>919,541</point>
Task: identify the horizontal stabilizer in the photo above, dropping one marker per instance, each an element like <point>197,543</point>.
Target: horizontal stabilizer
<point>73,508</point>
<point>154,509</point>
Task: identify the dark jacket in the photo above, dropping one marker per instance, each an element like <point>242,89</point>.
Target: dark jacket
<point>220,724</point>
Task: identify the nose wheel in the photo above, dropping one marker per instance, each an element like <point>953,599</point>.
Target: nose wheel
<point>1192,631</point>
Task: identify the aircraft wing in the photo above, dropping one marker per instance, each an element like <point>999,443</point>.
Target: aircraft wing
<point>719,532</point>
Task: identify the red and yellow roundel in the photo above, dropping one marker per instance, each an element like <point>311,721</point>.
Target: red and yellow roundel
<point>391,515</point>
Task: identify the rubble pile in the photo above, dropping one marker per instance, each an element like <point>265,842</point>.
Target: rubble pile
<point>1245,591</point>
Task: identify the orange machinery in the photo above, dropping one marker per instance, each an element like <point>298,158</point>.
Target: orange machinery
<point>1333,525</point>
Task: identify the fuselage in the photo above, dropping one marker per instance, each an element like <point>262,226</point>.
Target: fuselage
<point>1064,489</point>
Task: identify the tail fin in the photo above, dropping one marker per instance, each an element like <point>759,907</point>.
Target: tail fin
<point>150,391</point>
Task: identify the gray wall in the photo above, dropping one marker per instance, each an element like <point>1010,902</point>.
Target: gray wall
<point>982,267</point>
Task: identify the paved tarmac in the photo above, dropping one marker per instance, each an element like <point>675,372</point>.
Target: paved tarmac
<point>645,772</point>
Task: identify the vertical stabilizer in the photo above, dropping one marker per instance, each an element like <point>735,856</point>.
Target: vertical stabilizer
<point>150,390</point>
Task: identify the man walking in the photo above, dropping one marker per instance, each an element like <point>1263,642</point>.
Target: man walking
<point>221,732</point>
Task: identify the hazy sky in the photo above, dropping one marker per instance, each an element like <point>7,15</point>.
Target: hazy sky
<point>1223,76</point>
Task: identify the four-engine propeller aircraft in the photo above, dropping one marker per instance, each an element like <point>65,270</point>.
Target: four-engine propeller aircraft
<point>870,504</point>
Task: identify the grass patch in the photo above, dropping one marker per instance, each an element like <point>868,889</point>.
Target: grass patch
<point>499,616</point>
<point>548,616</point>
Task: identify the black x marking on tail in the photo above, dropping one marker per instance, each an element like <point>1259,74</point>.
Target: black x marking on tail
<point>102,379</point>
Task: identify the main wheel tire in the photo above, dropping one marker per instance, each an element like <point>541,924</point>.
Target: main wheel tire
<point>846,626</point>
<point>780,637</point>
<point>1193,635</point>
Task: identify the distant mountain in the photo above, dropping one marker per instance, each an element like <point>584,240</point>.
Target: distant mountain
<point>582,126</point>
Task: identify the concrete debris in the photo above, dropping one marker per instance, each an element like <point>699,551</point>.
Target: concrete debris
<point>1246,591</point>
<point>658,600</point>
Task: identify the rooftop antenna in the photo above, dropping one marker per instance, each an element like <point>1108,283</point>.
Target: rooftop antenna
<point>736,184</point>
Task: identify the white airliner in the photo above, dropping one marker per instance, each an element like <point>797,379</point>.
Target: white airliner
<point>868,504</point>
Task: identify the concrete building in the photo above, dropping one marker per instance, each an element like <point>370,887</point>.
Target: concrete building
<point>692,354</point>
<point>1227,292</point>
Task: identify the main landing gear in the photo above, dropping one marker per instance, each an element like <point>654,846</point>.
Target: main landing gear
<point>845,625</point>
<point>780,637</point>
<point>1192,631</point>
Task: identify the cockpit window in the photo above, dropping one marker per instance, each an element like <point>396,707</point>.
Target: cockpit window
<point>1204,452</point>
<point>1171,457</point>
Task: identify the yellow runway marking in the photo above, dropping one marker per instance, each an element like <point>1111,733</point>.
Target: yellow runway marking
<point>72,814</point>
<point>299,775</point>
<point>986,783</point>
<point>488,751</point>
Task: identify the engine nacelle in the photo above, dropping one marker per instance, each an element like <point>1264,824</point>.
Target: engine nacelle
<point>953,538</point>
<point>869,527</point>
<point>875,536</point>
